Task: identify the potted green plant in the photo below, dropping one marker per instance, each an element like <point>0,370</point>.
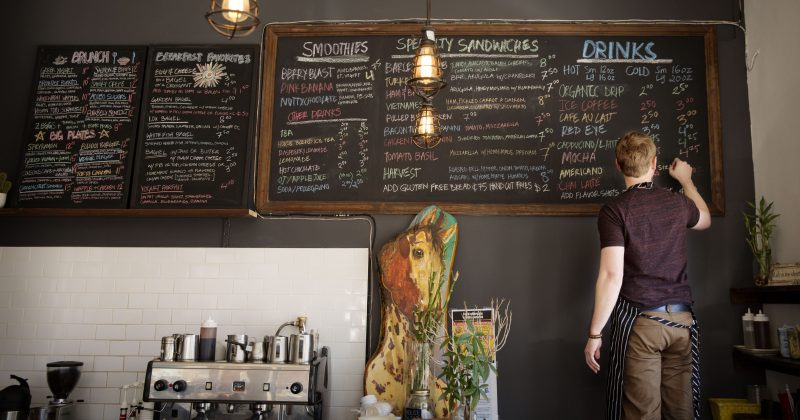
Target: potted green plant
<point>466,368</point>
<point>760,226</point>
<point>5,187</point>
<point>468,362</point>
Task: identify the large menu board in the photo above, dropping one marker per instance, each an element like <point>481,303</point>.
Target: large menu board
<point>197,130</point>
<point>81,129</point>
<point>530,116</point>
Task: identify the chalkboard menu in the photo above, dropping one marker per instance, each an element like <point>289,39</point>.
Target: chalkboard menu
<point>197,130</point>
<point>78,143</point>
<point>530,116</point>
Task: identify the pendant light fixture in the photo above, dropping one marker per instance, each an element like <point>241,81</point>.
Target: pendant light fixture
<point>233,18</point>
<point>426,70</point>
<point>427,133</point>
<point>426,81</point>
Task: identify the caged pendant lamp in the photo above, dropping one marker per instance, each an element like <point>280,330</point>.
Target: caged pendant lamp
<point>426,69</point>
<point>426,81</point>
<point>427,130</point>
<point>233,18</point>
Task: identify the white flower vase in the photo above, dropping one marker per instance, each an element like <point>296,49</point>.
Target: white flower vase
<point>3,199</point>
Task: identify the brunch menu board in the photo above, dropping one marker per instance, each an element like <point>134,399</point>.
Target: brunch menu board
<point>79,137</point>
<point>529,118</point>
<point>198,128</point>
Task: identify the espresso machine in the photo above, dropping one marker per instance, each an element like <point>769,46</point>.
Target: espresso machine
<point>61,379</point>
<point>264,384</point>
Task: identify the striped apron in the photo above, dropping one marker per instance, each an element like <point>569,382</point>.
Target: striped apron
<point>623,317</point>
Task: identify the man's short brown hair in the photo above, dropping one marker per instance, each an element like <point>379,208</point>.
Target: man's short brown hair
<point>634,152</point>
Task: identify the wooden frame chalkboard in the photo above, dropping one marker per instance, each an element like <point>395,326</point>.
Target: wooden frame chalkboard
<point>329,92</point>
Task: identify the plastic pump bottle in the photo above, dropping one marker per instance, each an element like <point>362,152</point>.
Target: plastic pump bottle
<point>762,330</point>
<point>208,340</point>
<point>748,330</point>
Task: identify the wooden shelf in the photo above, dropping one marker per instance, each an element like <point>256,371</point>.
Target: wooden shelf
<point>775,363</point>
<point>758,296</point>
<point>129,212</point>
<point>765,294</point>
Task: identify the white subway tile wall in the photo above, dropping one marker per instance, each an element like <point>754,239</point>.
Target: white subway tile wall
<point>109,308</point>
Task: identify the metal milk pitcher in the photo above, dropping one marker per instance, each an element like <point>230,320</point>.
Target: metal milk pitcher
<point>278,349</point>
<point>256,352</point>
<point>186,349</point>
<point>237,348</point>
<point>301,347</point>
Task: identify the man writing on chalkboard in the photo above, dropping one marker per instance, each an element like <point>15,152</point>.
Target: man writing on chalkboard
<point>642,286</point>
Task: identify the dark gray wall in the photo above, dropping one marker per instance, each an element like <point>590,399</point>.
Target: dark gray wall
<point>546,265</point>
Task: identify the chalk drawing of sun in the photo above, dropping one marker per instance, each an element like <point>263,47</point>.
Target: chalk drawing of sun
<point>208,75</point>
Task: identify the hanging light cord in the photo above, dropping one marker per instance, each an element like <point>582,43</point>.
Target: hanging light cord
<point>428,18</point>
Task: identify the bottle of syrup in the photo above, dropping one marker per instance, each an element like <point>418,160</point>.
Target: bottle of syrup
<point>762,330</point>
<point>208,340</point>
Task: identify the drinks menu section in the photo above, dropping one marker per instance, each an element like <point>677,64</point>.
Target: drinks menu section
<point>79,137</point>
<point>197,130</point>
<point>530,118</point>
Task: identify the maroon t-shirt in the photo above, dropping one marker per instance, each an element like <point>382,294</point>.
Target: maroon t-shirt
<point>651,224</point>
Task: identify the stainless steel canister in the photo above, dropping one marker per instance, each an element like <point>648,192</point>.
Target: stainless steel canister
<point>36,413</point>
<point>51,412</point>
<point>237,348</point>
<point>13,415</point>
<point>256,353</point>
<point>267,348</point>
<point>301,347</point>
<point>186,348</point>
<point>168,348</point>
<point>278,349</point>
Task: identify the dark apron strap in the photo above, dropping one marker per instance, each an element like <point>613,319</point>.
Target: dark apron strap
<point>622,319</point>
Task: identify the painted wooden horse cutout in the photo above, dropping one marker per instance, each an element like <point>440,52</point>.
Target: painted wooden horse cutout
<point>406,263</point>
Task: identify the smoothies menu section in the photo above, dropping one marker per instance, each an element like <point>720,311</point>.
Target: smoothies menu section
<point>526,119</point>
<point>79,137</point>
<point>195,143</point>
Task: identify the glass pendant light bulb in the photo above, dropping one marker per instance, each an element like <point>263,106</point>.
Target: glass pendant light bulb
<point>425,125</point>
<point>233,18</point>
<point>427,134</point>
<point>236,7</point>
<point>425,64</point>
<point>426,72</point>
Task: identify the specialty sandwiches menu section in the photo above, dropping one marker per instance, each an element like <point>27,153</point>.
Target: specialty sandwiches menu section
<point>195,141</point>
<point>530,117</point>
<point>79,137</point>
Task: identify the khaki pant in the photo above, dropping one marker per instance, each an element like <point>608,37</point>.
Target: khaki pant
<point>658,369</point>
